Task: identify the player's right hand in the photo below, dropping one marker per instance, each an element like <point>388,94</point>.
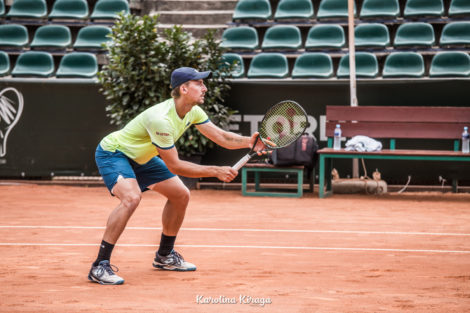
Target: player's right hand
<point>226,173</point>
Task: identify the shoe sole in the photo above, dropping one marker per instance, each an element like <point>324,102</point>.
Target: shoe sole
<point>176,269</point>
<point>95,280</point>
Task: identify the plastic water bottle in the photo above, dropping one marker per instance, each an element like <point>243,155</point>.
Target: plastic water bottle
<point>465,140</point>
<point>337,138</point>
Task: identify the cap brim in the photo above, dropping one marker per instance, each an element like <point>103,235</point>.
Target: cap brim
<point>202,75</point>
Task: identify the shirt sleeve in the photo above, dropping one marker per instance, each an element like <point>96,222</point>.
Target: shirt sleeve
<point>199,116</point>
<point>160,133</point>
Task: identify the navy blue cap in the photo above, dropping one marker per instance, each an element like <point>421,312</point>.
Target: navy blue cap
<point>184,74</point>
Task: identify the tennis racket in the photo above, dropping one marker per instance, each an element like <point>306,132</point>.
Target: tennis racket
<point>282,125</point>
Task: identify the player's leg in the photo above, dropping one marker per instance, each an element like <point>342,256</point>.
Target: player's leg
<point>120,179</point>
<point>173,215</point>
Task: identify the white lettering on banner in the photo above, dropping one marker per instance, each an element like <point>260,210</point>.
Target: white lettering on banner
<point>242,299</point>
<point>10,113</point>
<point>254,120</point>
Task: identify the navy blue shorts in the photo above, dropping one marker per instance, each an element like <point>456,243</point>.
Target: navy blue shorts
<point>114,164</point>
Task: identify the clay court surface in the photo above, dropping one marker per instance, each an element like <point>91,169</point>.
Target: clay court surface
<point>348,253</point>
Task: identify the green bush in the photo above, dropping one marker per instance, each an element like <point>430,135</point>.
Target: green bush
<point>137,76</point>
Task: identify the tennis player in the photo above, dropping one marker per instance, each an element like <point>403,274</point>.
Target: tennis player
<point>142,156</point>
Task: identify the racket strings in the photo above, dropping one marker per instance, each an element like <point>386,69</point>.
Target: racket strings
<point>283,124</point>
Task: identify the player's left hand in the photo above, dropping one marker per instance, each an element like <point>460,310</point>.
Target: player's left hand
<point>260,147</point>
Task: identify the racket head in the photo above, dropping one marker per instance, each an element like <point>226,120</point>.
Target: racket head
<point>283,124</point>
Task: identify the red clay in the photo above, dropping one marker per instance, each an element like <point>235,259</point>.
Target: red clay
<point>342,254</point>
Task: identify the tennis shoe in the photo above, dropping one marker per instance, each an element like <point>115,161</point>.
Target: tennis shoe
<point>172,262</point>
<point>104,274</point>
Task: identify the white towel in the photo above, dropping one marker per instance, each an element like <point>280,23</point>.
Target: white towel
<point>363,143</point>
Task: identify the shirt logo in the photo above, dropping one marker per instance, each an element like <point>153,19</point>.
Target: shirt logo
<point>162,134</point>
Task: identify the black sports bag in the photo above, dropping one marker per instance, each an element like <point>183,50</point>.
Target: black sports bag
<point>301,152</point>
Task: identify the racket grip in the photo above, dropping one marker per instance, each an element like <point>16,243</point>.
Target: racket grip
<point>242,162</point>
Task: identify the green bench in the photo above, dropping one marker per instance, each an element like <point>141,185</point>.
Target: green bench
<point>393,122</point>
<point>259,190</point>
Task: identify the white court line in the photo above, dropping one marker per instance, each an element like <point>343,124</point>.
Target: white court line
<point>238,247</point>
<point>244,230</point>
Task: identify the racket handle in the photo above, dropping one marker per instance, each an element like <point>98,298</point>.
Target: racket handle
<point>242,162</point>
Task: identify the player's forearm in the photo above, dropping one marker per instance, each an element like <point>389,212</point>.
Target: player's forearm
<point>231,140</point>
<point>189,169</point>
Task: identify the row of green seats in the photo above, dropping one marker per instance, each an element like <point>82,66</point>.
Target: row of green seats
<point>54,36</point>
<point>320,65</point>
<point>303,9</point>
<point>332,36</point>
<point>41,64</point>
<point>64,9</point>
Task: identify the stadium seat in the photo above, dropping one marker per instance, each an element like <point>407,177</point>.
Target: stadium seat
<point>371,35</point>
<point>78,64</point>
<point>34,63</point>
<point>313,65</point>
<point>459,7</point>
<point>404,64</point>
<point>423,8</point>
<point>252,9</point>
<point>4,63</point>
<point>455,33</point>
<point>366,65</point>
<point>294,9</point>
<point>109,9</point>
<point>28,8</point>
<point>52,36</point>
<point>325,36</point>
<point>334,9</point>
<point>451,63</point>
<point>241,37</point>
<point>13,35</point>
<point>92,37</point>
<point>380,8</point>
<point>414,34</point>
<point>282,37</point>
<point>69,9</point>
<point>269,65</point>
<point>238,70</point>
<point>2,8</point>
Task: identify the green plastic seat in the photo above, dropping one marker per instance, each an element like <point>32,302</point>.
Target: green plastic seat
<point>109,9</point>
<point>252,9</point>
<point>92,37</point>
<point>268,65</point>
<point>28,8</point>
<point>70,9</point>
<point>380,8</point>
<point>404,64</point>
<point>372,35</point>
<point>34,63</point>
<point>78,64</point>
<point>325,36</point>
<point>2,8</point>
<point>238,70</point>
<point>414,34</point>
<point>455,33</point>
<point>4,63</point>
<point>334,9</point>
<point>459,8</point>
<point>282,37</point>
<point>241,37</point>
<point>313,65</point>
<point>423,8</point>
<point>52,36</point>
<point>294,9</point>
<point>13,35</point>
<point>450,64</point>
<point>366,65</point>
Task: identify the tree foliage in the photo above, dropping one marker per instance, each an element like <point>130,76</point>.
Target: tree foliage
<point>137,76</point>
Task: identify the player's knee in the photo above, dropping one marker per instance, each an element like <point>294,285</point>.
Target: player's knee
<point>182,195</point>
<point>131,201</point>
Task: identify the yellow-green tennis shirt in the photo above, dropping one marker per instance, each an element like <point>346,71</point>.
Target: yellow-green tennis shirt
<point>158,126</point>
